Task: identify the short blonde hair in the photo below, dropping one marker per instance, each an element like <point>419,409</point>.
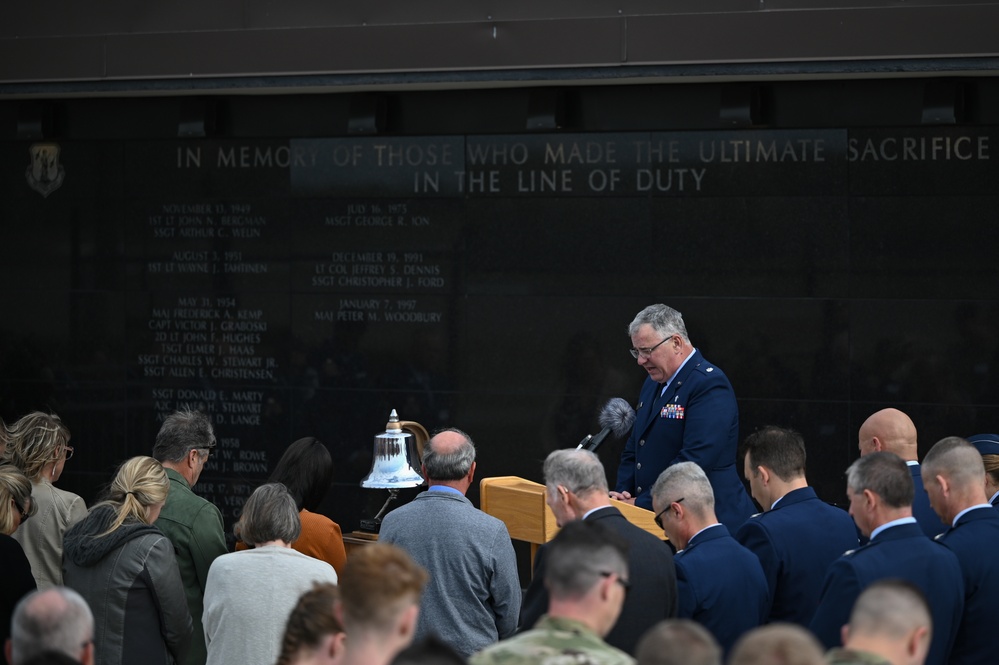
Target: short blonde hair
<point>141,482</point>
<point>35,440</point>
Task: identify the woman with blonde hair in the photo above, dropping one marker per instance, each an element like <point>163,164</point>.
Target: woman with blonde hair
<point>38,444</point>
<point>126,570</point>
<point>16,507</point>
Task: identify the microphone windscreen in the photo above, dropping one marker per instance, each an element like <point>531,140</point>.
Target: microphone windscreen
<point>618,415</point>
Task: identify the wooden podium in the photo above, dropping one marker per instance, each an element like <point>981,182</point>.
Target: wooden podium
<point>520,504</point>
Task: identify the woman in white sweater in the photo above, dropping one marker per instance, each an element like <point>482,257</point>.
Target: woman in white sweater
<point>249,594</point>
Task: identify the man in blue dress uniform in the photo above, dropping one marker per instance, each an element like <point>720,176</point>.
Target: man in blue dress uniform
<point>686,413</point>
<point>955,480</point>
<point>720,583</point>
<point>879,487</point>
<point>798,535</point>
<point>893,431</point>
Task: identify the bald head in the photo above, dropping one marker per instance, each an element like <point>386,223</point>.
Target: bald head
<point>56,619</point>
<point>891,431</point>
<point>449,457</point>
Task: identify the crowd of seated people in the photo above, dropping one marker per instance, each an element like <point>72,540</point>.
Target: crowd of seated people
<point>797,583</point>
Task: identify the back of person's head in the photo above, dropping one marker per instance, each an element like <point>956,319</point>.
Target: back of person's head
<point>379,582</point>
<point>15,497</point>
<point>884,474</point>
<point>306,469</point>
<point>779,449</point>
<point>181,432</point>
<point>678,642</point>
<point>34,441</point>
<point>446,461</point>
<point>889,608</point>
<point>957,460</point>
<point>987,446</point>
<point>56,619</point>
<point>313,624</point>
<point>579,471</point>
<point>140,483</point>
<point>580,555</point>
<point>777,644</point>
<point>52,658</point>
<point>663,319</point>
<point>269,514</point>
<point>431,650</point>
<point>687,481</point>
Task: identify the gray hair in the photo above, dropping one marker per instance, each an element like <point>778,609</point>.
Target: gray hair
<point>579,471</point>
<point>956,459</point>
<point>182,431</point>
<point>269,514</point>
<point>884,474</point>
<point>687,481</point>
<point>450,466</point>
<point>664,320</point>
<point>678,642</point>
<point>891,608</point>
<point>55,619</point>
<point>581,553</point>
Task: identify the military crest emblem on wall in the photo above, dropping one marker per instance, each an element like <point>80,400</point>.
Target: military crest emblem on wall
<point>44,173</point>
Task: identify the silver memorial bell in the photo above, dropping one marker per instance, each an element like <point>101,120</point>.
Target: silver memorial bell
<point>396,457</point>
<point>395,463</point>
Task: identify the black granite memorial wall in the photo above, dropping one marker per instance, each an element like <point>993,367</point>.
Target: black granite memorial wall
<point>306,285</point>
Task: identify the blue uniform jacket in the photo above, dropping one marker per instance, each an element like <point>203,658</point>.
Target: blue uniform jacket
<point>927,518</point>
<point>975,541</point>
<point>903,552</point>
<point>721,585</point>
<point>796,542</point>
<point>697,420</point>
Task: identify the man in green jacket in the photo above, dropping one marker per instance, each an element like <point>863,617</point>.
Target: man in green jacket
<point>184,443</point>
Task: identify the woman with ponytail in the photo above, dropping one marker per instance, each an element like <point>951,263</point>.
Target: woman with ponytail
<point>126,570</point>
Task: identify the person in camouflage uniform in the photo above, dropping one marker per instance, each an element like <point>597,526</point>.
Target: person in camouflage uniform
<point>890,625</point>
<point>587,580</point>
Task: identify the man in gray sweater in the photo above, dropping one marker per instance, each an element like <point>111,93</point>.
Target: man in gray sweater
<point>473,597</point>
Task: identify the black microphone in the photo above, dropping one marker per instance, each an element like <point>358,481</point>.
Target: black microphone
<point>617,416</point>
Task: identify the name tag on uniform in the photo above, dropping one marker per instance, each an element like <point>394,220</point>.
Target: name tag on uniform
<point>674,411</point>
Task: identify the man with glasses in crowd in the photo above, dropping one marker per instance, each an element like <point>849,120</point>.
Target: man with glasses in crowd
<point>686,413</point>
<point>720,583</point>
<point>184,443</point>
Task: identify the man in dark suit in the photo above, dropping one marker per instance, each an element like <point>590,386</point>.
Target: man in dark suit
<point>954,478</point>
<point>686,413</point>
<point>798,535</point>
<point>576,489</point>
<point>720,583</point>
<point>892,431</point>
<point>879,487</point>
